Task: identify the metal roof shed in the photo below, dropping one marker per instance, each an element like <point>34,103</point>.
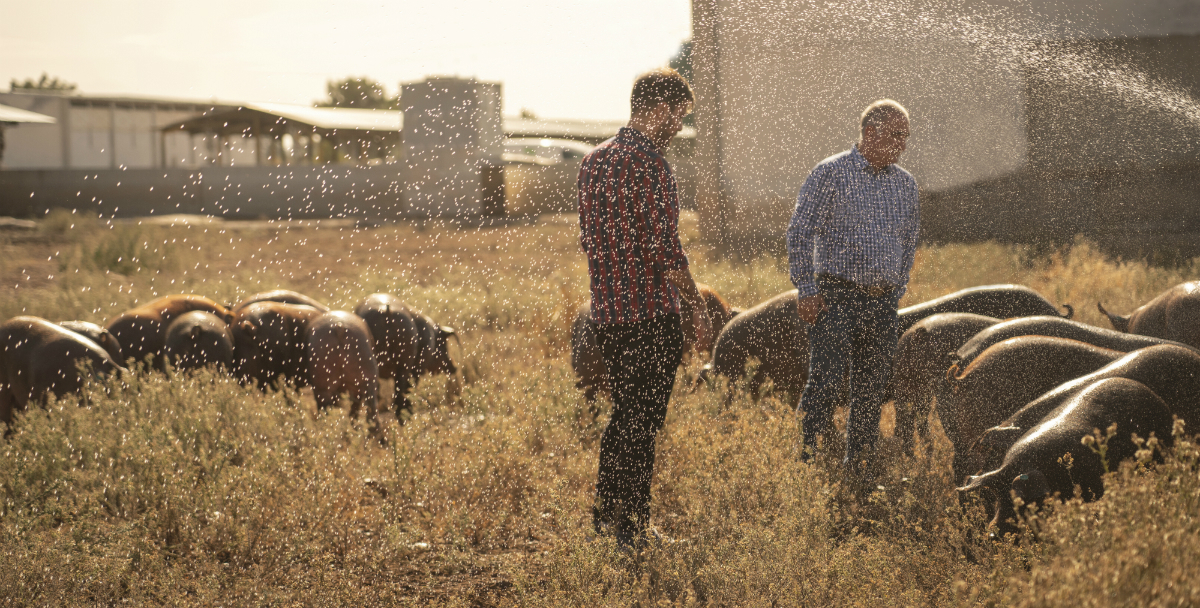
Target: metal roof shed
<point>293,134</point>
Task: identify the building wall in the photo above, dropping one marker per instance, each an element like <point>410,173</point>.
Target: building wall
<point>452,136</point>
<point>781,86</point>
<point>1079,122</point>
<point>321,191</point>
<point>102,133</point>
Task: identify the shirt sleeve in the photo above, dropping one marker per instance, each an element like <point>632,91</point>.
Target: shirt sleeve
<point>815,197</point>
<point>663,209</point>
<point>912,197</point>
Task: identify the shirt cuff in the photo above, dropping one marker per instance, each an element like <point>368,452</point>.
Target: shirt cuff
<point>806,289</point>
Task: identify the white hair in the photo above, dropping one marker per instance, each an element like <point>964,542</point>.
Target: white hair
<point>879,112</point>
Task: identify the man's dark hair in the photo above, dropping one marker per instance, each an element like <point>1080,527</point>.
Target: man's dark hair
<point>659,86</point>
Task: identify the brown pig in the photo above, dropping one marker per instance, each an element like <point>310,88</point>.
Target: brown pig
<point>341,360</point>
<point>38,357</point>
<point>142,331</point>
<point>270,343</point>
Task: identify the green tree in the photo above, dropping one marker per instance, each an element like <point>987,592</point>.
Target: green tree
<point>45,84</point>
<point>358,92</point>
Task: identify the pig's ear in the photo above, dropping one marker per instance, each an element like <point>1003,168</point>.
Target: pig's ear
<point>447,331</point>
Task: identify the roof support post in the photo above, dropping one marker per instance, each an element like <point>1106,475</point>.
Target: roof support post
<point>112,134</point>
<point>258,144</point>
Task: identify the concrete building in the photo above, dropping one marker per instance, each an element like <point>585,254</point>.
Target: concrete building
<point>996,89</point>
<point>102,132</point>
<point>139,156</point>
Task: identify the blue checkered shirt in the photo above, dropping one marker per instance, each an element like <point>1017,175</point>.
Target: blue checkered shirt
<point>855,222</point>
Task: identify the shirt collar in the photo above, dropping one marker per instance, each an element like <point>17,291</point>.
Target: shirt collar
<point>862,163</point>
<point>637,137</point>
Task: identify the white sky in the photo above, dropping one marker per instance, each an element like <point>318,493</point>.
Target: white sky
<point>559,58</point>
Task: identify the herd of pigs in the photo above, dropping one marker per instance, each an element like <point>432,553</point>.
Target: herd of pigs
<point>1016,384</point>
<point>269,337</point>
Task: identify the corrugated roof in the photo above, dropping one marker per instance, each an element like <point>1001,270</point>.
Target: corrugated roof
<point>11,114</point>
<point>352,119</point>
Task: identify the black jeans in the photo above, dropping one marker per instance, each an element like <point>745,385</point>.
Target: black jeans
<point>642,358</point>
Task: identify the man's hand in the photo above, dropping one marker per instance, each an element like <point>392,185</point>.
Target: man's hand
<point>704,329</point>
<point>810,307</point>
<point>683,281</point>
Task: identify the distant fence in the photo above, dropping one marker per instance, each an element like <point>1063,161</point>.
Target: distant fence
<point>284,192</point>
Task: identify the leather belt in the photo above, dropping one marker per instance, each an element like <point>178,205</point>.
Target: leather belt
<point>874,291</point>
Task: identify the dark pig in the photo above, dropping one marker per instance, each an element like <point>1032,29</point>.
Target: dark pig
<point>1173,314</point>
<point>407,344</point>
<point>1052,326</point>
<point>1039,455</point>
<point>197,339</point>
<point>923,355</point>
<point>96,334</point>
<point>283,296</point>
<point>1003,379</point>
<point>270,343</point>
<point>1000,301</point>
<point>1172,372</point>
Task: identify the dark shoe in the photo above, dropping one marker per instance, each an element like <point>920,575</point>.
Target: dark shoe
<point>620,534</point>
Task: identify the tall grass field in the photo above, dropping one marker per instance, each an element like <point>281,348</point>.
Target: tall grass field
<point>190,489</point>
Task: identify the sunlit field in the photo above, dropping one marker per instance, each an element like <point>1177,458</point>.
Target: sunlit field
<point>193,490</point>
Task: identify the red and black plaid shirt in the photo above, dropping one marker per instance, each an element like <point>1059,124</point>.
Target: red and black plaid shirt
<point>629,229</point>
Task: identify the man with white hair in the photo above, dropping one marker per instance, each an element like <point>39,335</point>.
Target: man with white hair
<point>851,243</point>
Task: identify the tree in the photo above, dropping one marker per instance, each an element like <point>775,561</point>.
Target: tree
<point>358,92</point>
<point>45,84</point>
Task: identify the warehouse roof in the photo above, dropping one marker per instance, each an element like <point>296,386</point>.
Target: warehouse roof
<point>351,119</point>
<point>266,114</point>
<point>11,114</point>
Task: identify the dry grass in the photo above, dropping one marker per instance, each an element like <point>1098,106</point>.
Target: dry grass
<point>192,490</point>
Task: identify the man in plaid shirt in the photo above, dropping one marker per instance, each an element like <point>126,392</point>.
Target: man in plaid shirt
<point>629,229</point>
<point>851,244</point>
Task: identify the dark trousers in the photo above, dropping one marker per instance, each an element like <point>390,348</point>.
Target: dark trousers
<point>642,359</point>
<point>851,345</point>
